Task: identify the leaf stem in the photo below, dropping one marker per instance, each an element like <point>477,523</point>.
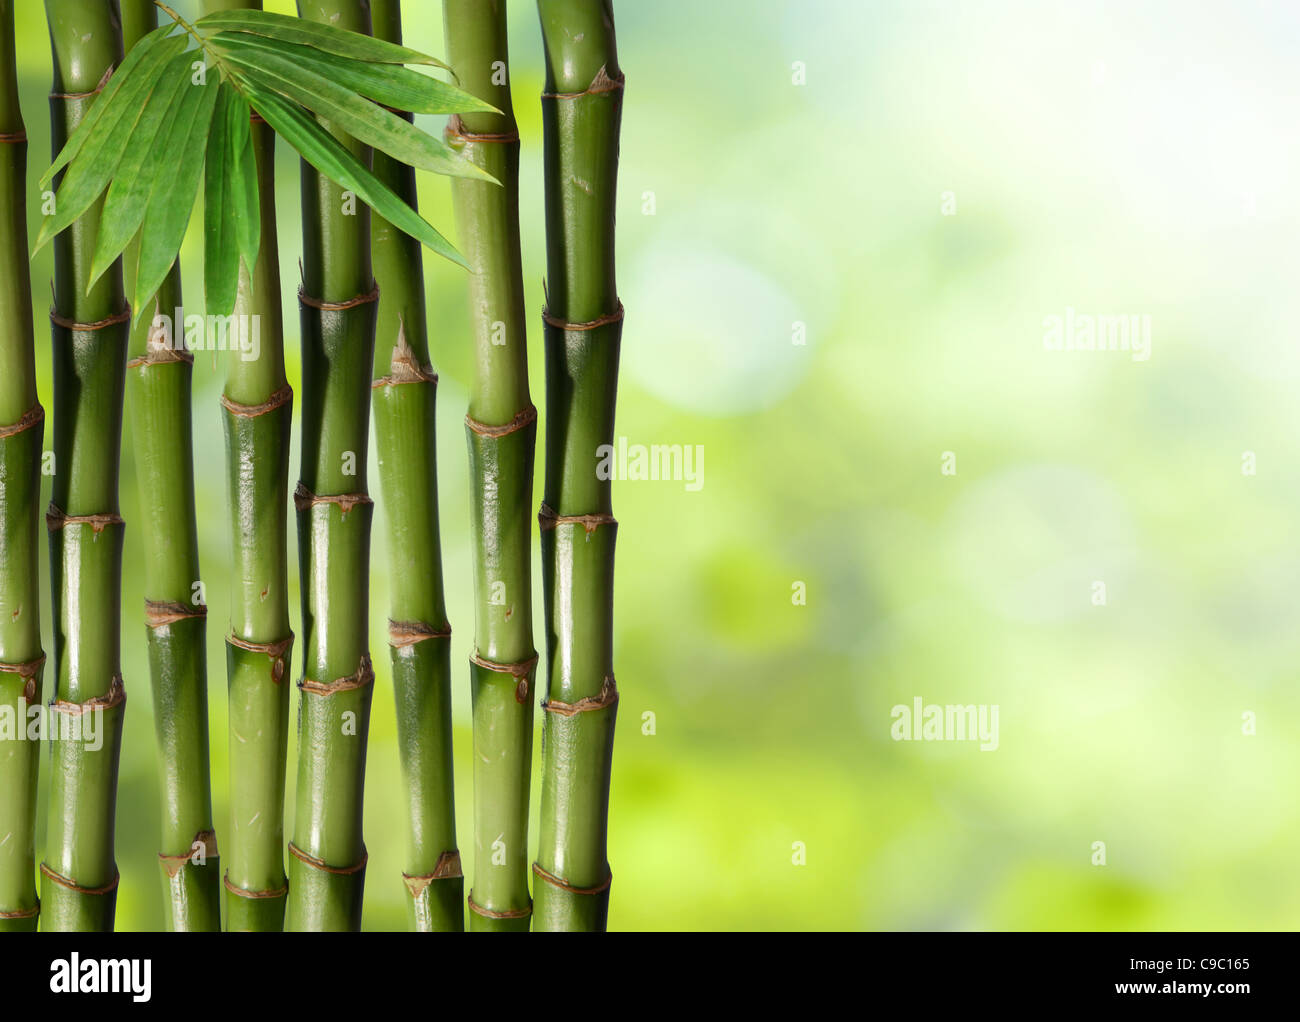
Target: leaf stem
<point>209,53</point>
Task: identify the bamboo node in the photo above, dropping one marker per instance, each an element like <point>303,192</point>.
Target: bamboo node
<point>31,418</point>
<point>363,676</point>
<point>29,672</point>
<point>56,518</point>
<point>522,669</point>
<point>277,651</point>
<point>456,129</point>
<point>446,868</point>
<point>14,137</point>
<point>321,865</point>
<point>564,885</point>
<point>547,520</point>
<point>351,303</point>
<point>600,84</point>
<point>23,913</point>
<point>115,696</point>
<point>402,634</point>
<point>524,418</point>
<point>607,697</point>
<point>108,73</point>
<point>303,499</point>
<point>404,368</point>
<point>241,892</point>
<point>510,913</point>
<point>84,328</point>
<point>160,613</point>
<point>565,325</point>
<point>521,672</point>
<point>281,397</point>
<point>173,864</point>
<point>162,354</point>
<point>72,885</point>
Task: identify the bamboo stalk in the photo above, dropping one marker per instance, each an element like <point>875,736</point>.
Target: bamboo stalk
<point>257,411</point>
<point>501,431</point>
<point>159,384</point>
<point>338,300</point>
<point>89,327</point>
<point>581,110</point>
<point>404,392</point>
<point>22,431</point>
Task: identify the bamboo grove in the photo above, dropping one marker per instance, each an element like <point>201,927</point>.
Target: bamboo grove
<point>148,111</point>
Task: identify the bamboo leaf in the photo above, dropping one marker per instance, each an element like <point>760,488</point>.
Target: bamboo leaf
<point>98,108</point>
<point>172,202</point>
<point>368,123</point>
<point>324,152</point>
<point>220,244</point>
<point>144,164</point>
<point>389,85</point>
<point>241,167</point>
<point>89,173</point>
<point>313,34</point>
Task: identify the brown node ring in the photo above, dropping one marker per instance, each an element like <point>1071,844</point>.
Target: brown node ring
<point>593,324</point>
<point>602,83</point>
<point>108,73</point>
<point>547,519</point>
<point>34,416</point>
<point>161,355</point>
<point>511,913</point>
<point>56,518</point>
<point>23,913</point>
<point>607,697</point>
<point>351,303</point>
<point>12,137</point>
<point>173,864</point>
<point>115,696</point>
<point>84,328</point>
<point>363,676</point>
<point>280,398</point>
<point>72,885</point>
<point>446,868</point>
<point>402,634</point>
<point>29,672</point>
<point>525,418</point>
<point>324,867</point>
<point>403,366</point>
<point>303,499</point>
<point>456,129</point>
<point>241,892</point>
<point>520,672</point>
<point>161,613</point>
<point>276,651</point>
<point>564,885</point>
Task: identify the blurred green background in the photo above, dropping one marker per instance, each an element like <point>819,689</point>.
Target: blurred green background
<point>947,176</point>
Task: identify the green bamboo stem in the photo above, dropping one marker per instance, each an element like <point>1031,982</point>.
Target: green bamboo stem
<point>338,300</point>
<point>22,431</point>
<point>581,110</point>
<point>257,412</point>
<point>501,431</point>
<point>90,337</point>
<point>159,384</point>
<point>404,392</point>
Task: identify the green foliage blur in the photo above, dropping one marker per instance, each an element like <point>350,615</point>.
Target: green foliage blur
<point>945,178</point>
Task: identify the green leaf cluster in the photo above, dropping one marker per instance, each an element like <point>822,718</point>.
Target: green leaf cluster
<point>179,107</point>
